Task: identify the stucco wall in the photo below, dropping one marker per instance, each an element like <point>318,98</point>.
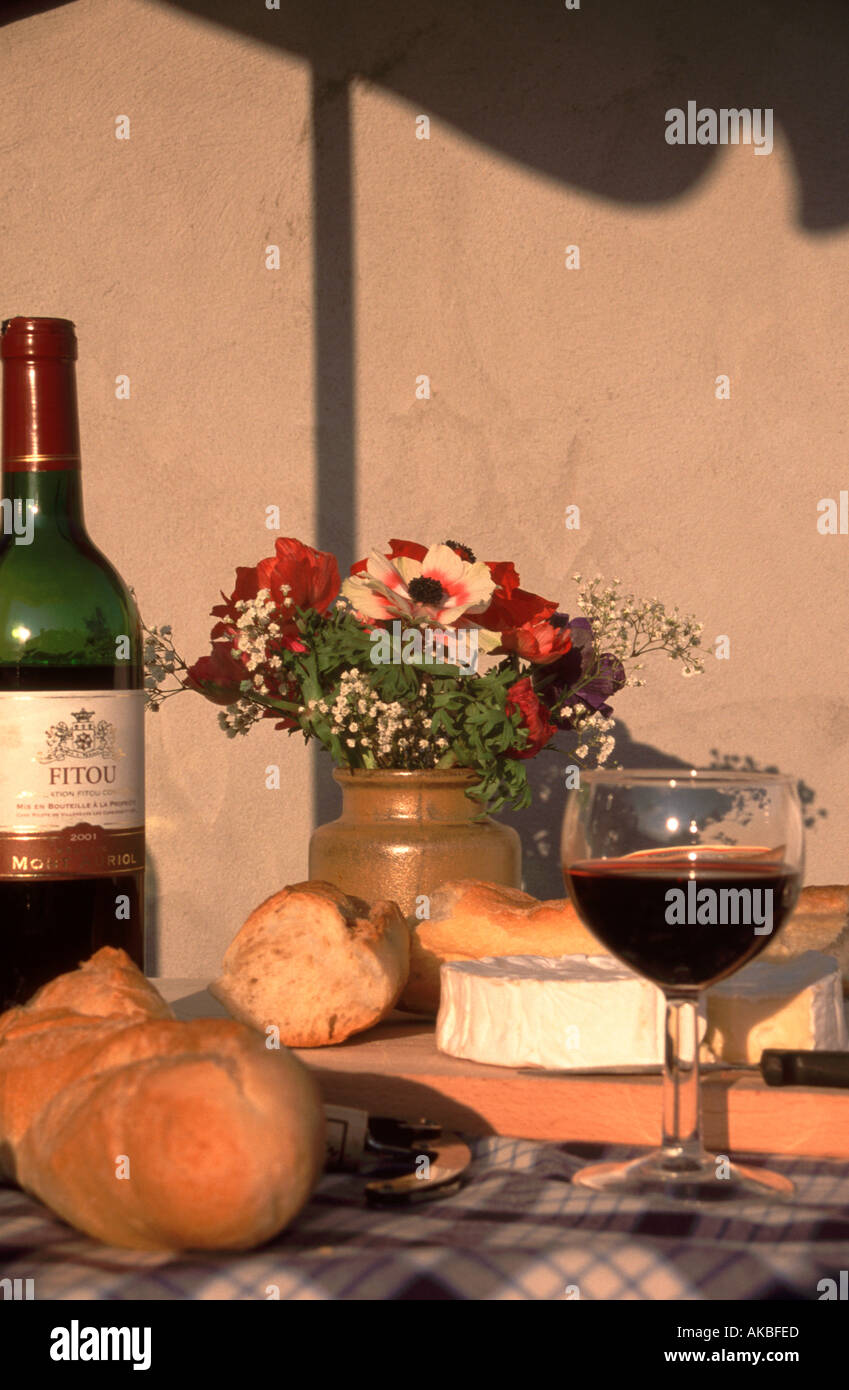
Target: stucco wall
<point>549,386</point>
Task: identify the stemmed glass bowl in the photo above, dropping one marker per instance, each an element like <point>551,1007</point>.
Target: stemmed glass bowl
<point>684,877</point>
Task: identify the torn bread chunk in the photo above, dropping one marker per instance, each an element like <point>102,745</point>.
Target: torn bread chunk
<point>316,965</point>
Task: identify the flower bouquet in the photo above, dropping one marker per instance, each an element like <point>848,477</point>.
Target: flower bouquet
<point>424,657</point>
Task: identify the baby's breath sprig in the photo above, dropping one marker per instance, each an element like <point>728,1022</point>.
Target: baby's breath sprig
<point>593,729</point>
<point>240,717</point>
<point>629,627</point>
<point>162,661</point>
<point>375,733</point>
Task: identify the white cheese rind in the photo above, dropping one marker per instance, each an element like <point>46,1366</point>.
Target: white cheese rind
<point>589,1013</point>
<point>576,1013</point>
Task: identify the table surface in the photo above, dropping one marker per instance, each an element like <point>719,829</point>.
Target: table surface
<point>517,1230</point>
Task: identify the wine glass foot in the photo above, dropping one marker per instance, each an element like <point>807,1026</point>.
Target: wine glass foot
<point>708,1179</point>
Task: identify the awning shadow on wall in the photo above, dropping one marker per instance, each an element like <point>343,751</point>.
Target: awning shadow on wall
<point>578,95</point>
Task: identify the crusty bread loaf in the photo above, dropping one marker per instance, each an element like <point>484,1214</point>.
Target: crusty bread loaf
<point>315,964</point>
<point>145,1132</point>
<point>108,985</point>
<point>820,922</point>
<point>469,920</point>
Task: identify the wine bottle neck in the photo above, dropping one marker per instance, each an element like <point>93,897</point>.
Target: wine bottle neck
<point>38,501</point>
<point>41,444</point>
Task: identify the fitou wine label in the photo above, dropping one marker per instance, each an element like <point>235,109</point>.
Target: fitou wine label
<point>72,783</point>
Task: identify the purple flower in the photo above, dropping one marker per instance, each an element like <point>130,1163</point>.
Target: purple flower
<point>591,677</point>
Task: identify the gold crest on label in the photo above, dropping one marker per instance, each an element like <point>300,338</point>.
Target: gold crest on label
<point>85,738</point>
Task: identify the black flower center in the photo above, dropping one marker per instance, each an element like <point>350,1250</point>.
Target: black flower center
<point>462,550</point>
<point>425,590</point>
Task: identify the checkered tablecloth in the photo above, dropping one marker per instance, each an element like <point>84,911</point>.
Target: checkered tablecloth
<point>517,1230</point>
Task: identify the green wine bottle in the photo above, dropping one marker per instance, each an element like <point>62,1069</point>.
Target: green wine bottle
<point>71,690</point>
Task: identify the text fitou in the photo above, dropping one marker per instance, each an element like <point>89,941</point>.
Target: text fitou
<point>77,1343</point>
<point>727,126</point>
<point>719,907</point>
<point>77,775</point>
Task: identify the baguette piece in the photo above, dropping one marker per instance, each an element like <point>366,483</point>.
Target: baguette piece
<point>316,964</point>
<point>470,920</point>
<point>146,1132</point>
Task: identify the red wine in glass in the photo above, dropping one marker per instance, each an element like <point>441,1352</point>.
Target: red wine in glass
<point>685,878</point>
<point>626,903</point>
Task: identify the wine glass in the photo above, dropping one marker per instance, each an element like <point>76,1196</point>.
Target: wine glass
<point>685,877</point>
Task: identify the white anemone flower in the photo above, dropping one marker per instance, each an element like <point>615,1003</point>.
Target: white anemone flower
<point>434,591</point>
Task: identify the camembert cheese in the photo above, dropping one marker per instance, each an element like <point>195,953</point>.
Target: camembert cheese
<point>576,1013</point>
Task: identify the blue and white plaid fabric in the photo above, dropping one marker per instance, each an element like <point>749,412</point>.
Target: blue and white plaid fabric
<point>517,1230</point>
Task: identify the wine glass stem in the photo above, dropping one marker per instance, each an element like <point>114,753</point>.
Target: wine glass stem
<point>682,1131</point>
